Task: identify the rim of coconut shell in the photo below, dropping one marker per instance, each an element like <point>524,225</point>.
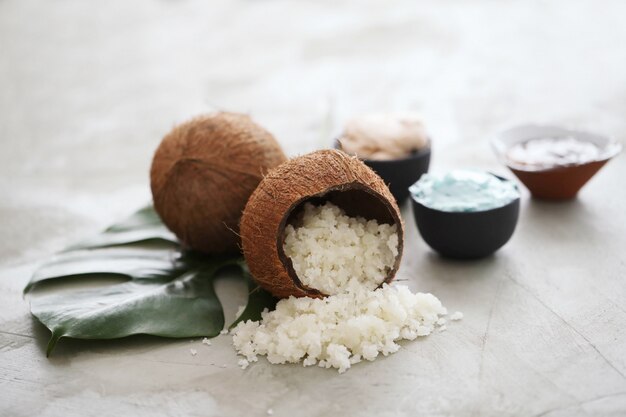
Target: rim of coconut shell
<point>365,187</point>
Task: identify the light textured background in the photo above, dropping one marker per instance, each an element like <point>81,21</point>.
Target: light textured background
<point>87,89</point>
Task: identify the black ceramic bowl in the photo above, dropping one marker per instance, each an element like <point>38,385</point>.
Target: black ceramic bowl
<point>466,235</point>
<point>400,174</point>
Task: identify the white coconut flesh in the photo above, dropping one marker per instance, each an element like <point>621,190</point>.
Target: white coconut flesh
<point>336,253</point>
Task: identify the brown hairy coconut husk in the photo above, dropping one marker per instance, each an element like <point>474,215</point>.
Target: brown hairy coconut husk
<point>327,175</point>
<point>203,173</point>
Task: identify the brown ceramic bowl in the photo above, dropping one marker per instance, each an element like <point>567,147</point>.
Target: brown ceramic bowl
<point>558,182</point>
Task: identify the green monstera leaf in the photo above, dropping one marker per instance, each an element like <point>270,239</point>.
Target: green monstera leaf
<point>167,291</point>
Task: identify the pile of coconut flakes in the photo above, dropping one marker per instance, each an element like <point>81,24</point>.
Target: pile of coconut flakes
<point>356,322</point>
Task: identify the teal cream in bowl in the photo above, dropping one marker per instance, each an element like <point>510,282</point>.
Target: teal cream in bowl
<point>465,213</point>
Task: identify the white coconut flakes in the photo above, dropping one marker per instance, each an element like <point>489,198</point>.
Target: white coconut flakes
<point>339,330</point>
<point>336,253</point>
<point>348,258</point>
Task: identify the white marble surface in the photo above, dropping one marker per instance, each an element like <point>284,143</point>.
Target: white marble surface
<point>88,88</point>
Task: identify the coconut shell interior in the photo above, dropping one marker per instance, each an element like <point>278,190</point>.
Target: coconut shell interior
<point>356,200</point>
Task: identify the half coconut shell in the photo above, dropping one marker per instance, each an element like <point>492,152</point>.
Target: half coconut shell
<point>327,175</point>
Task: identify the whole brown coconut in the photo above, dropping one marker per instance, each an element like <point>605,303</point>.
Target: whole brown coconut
<point>203,173</point>
<point>327,175</point>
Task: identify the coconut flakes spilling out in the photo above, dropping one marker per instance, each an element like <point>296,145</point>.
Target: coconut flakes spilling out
<point>457,315</point>
<point>336,253</point>
<point>347,258</point>
<point>339,330</point>
<point>243,363</point>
